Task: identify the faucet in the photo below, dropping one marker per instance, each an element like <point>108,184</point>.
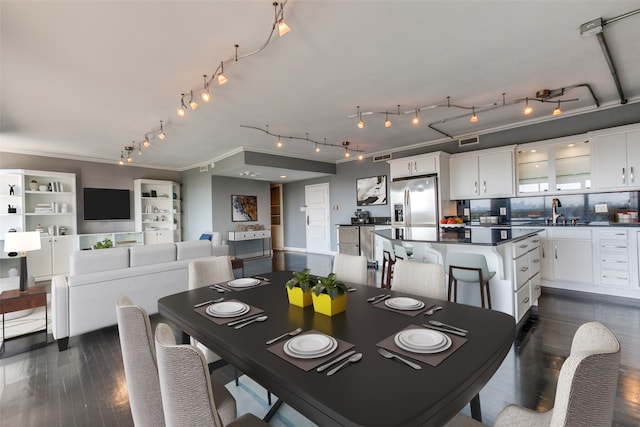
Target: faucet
<point>555,203</point>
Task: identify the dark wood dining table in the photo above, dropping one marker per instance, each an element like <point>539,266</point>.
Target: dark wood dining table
<point>372,392</point>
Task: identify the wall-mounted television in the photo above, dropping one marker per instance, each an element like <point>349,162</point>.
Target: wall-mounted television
<point>103,204</point>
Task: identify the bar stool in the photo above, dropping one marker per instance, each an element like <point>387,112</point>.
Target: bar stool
<point>388,261</point>
<point>468,267</point>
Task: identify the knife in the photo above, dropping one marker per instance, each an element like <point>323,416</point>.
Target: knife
<point>449,331</point>
<point>381,299</point>
<point>336,360</point>
<point>235,322</point>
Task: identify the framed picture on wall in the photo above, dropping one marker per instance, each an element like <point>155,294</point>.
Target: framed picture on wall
<point>371,191</point>
<point>244,208</point>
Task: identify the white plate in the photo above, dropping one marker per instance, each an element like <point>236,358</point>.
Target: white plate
<point>403,303</point>
<point>443,347</point>
<point>243,283</point>
<point>228,309</point>
<point>423,339</point>
<point>310,346</point>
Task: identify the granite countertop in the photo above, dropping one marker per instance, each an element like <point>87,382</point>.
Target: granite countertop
<point>466,236</point>
<point>578,225</point>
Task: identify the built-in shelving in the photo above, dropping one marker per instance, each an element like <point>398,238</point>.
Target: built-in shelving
<point>158,210</point>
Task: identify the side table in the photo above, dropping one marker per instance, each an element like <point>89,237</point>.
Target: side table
<point>14,300</point>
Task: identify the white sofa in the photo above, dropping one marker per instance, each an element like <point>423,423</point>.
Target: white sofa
<point>85,299</point>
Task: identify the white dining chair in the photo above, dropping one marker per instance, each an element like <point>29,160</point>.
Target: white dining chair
<point>388,260</point>
<point>189,397</point>
<point>350,268</point>
<point>586,388</point>
<point>419,278</point>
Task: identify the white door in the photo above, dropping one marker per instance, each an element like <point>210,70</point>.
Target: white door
<point>316,200</point>
<point>63,247</point>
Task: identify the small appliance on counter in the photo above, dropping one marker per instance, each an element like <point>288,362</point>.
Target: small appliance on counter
<point>361,217</point>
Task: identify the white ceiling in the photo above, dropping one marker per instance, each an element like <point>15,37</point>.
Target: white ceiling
<point>84,79</point>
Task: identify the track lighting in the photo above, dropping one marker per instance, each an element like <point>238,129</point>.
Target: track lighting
<point>146,143</point>
<point>283,28</point>
<point>279,143</point>
<point>205,95</point>
<point>182,109</point>
<point>221,78</point>
<point>474,117</point>
<point>416,119</point>
<point>528,109</point>
<point>318,148</point>
<point>387,122</point>
<point>161,134</point>
<point>193,104</point>
<point>557,111</point>
<point>361,122</point>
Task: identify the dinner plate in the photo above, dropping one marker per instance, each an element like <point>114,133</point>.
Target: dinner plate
<point>424,339</point>
<point>310,346</point>
<point>447,343</point>
<point>228,309</point>
<point>244,282</point>
<point>404,303</point>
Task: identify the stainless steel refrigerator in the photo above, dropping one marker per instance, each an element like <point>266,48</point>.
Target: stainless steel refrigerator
<point>414,203</point>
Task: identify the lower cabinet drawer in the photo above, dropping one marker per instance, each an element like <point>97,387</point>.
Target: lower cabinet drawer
<point>614,261</point>
<point>536,288</point>
<point>522,270</point>
<point>523,301</point>
<point>614,277</point>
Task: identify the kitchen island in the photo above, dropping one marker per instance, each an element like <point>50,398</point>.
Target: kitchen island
<point>515,259</point>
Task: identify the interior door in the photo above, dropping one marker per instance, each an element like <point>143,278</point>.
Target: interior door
<point>316,200</point>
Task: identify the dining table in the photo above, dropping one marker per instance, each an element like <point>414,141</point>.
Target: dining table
<point>374,391</point>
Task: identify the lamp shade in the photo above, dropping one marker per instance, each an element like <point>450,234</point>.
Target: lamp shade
<point>22,241</point>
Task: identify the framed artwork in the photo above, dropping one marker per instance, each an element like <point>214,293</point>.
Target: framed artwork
<point>244,208</point>
<point>371,191</point>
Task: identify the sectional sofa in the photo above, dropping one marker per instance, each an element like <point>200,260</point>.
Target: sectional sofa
<point>85,299</point>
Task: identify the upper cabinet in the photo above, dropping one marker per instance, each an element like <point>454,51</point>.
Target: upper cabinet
<point>415,165</point>
<point>482,174</point>
<point>551,167</point>
<point>616,161</point>
<point>158,210</point>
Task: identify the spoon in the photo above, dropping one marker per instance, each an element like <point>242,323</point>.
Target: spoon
<point>290,334</point>
<point>257,319</point>
<point>433,310</point>
<point>352,359</point>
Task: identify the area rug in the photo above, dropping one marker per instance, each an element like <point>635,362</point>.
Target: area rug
<point>27,324</point>
<point>252,397</point>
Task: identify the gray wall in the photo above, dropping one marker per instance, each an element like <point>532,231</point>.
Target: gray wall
<point>196,204</point>
<point>90,174</point>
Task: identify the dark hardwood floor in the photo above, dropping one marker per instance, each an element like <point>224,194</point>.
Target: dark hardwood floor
<point>85,385</point>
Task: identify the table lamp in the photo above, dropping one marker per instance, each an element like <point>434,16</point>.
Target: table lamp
<point>22,242</point>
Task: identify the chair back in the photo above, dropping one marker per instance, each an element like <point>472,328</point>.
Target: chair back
<point>140,367</point>
<point>467,260</point>
<point>419,278</point>
<point>350,268</point>
<point>210,270</point>
<point>187,395</point>
<point>400,252</point>
<point>588,380</point>
<point>387,250</point>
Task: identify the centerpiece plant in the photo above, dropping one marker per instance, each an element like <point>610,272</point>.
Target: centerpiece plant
<point>299,288</point>
<point>329,296</point>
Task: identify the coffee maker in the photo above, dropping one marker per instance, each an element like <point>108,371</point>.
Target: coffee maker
<point>361,217</point>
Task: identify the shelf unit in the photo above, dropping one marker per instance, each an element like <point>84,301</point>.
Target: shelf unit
<point>11,178</point>
<point>56,190</point>
<point>158,210</point>
<point>125,238</point>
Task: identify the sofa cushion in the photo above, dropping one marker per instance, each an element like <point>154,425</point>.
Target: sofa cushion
<point>193,249</point>
<point>82,262</point>
<point>152,254</point>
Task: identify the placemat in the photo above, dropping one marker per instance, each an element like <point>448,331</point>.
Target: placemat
<point>433,359</point>
<point>225,285</point>
<point>309,364</point>
<point>224,320</point>
<point>412,313</point>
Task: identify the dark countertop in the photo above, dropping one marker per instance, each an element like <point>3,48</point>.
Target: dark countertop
<point>578,225</point>
<point>466,236</point>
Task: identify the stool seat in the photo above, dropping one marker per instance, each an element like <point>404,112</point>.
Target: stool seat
<point>388,261</point>
<point>468,267</point>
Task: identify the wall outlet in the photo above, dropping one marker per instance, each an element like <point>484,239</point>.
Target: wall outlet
<point>303,208</point>
<point>601,208</point>
<point>503,211</point>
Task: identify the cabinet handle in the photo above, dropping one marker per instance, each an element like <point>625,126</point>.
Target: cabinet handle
<point>631,175</point>
<point>614,246</point>
<point>537,287</point>
<point>307,219</point>
<point>475,187</point>
<point>555,248</point>
<point>535,241</point>
<point>485,187</point>
<point>615,261</point>
<point>606,276</point>
<point>415,167</point>
<point>409,167</point>
<point>523,246</point>
<point>543,256</point>
<point>623,181</point>
<point>535,261</point>
<point>526,300</point>
<point>523,269</point>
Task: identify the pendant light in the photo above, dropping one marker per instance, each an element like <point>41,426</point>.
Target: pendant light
<point>161,134</point>
<point>182,109</point>
<point>283,28</point>
<point>206,95</point>
<point>474,117</point>
<point>146,143</point>
<point>221,77</point>
<point>387,122</point>
<point>557,111</point>
<point>193,104</point>
<point>360,122</point>
<point>528,109</point>
<point>416,119</point>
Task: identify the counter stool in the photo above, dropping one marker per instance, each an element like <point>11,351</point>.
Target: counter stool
<point>468,267</point>
<point>388,261</point>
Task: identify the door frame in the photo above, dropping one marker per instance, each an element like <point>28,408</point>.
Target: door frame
<point>327,219</point>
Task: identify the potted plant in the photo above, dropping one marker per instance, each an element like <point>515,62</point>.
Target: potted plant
<point>106,243</point>
<point>329,296</point>
<point>299,288</point>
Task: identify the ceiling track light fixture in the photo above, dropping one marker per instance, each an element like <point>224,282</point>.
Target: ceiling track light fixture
<point>528,109</point>
<point>474,116</point>
<point>146,143</point>
<point>557,111</point>
<point>316,143</point>
<point>416,119</point>
<point>219,76</point>
<point>360,122</point>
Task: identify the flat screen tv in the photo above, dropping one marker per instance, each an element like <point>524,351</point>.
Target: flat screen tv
<point>104,204</point>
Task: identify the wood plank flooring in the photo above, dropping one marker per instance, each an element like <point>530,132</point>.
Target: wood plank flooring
<point>85,385</point>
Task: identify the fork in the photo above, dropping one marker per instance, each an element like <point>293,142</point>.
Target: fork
<point>211,301</point>
<point>389,355</point>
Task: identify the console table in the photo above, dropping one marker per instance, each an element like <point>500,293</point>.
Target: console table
<point>239,236</point>
<point>14,300</point>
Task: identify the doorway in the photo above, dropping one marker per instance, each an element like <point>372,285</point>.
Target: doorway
<point>316,200</point>
<point>277,233</point>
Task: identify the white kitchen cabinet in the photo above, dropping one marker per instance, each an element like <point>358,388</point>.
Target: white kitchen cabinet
<point>52,258</point>
<point>414,166</point>
<point>526,270</point>
<point>567,255</point>
<point>482,174</point>
<point>616,161</point>
<point>158,210</point>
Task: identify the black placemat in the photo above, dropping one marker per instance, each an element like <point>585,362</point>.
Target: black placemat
<point>309,364</point>
<point>224,320</point>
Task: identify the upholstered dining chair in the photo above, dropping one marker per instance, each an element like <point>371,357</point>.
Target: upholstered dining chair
<point>388,260</point>
<point>350,268</point>
<point>188,395</point>
<point>586,388</point>
<point>206,272</point>
<point>468,267</point>
<point>419,278</point>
